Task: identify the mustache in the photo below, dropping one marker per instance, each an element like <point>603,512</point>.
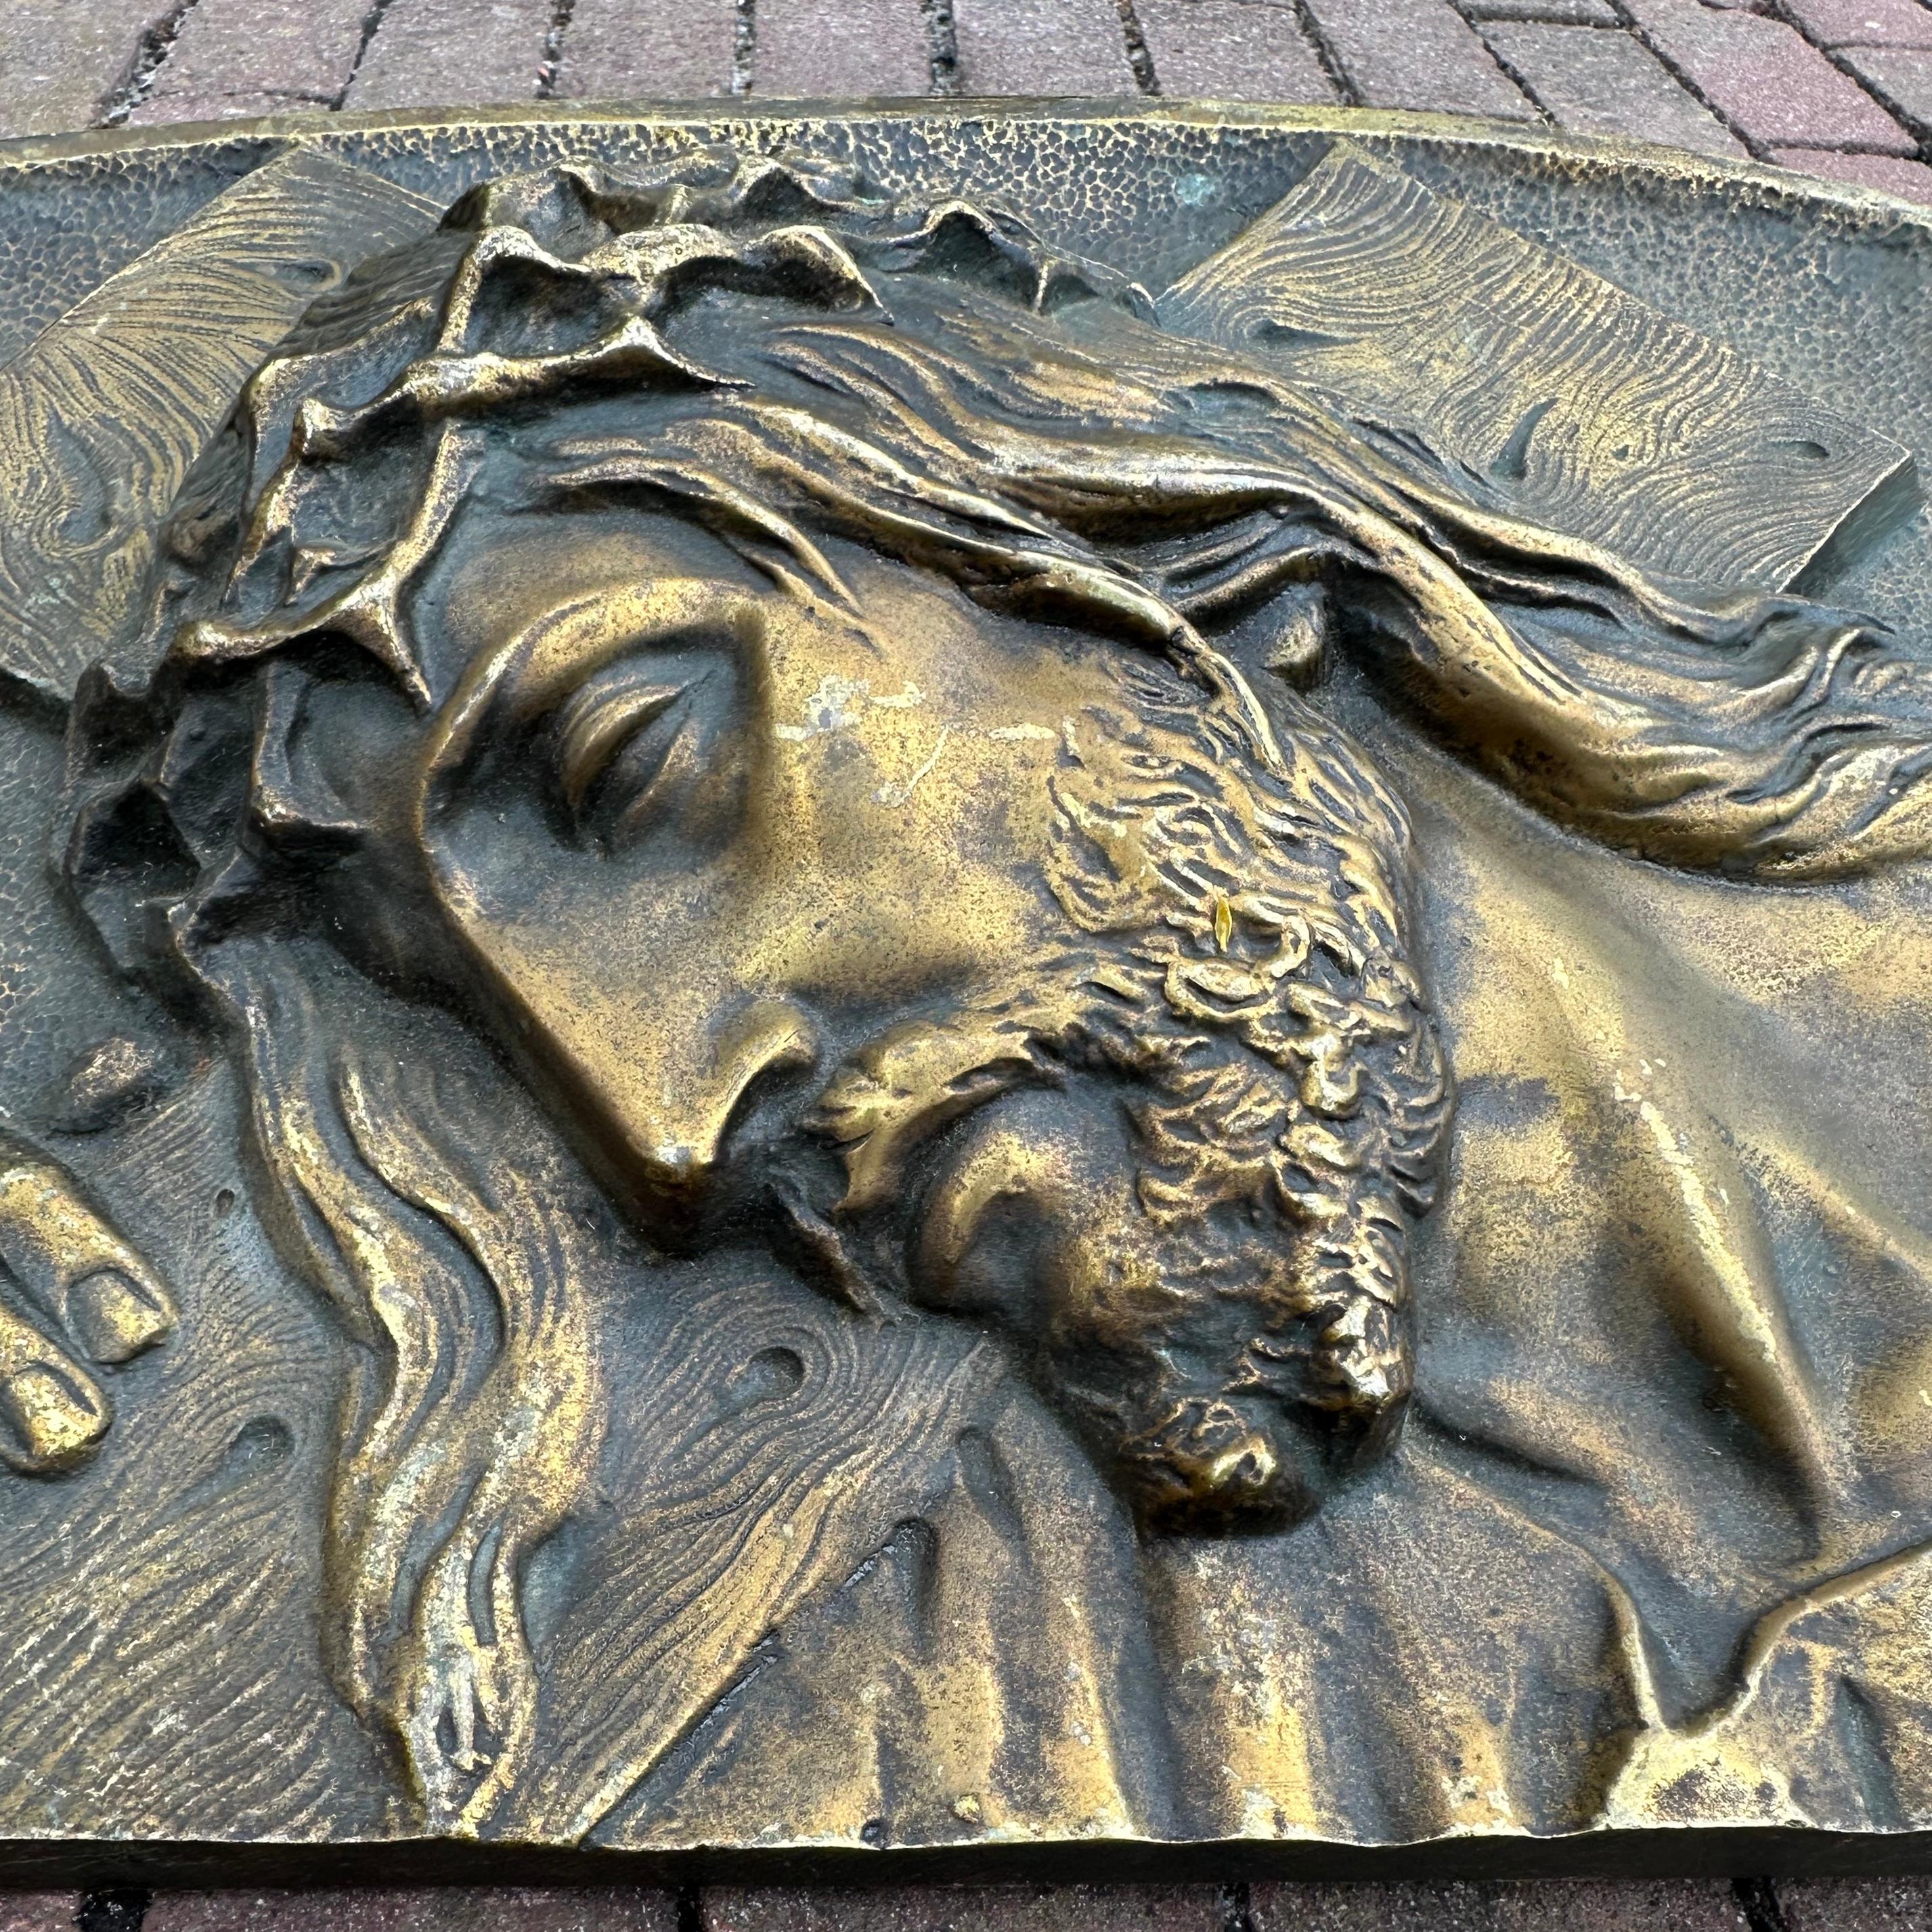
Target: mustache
<point>822,1252</point>
<point>839,1181</point>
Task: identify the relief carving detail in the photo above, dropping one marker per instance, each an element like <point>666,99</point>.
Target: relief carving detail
<point>795,879</point>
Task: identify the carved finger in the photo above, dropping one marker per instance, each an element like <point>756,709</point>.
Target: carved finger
<point>73,1266</point>
<point>52,1414</point>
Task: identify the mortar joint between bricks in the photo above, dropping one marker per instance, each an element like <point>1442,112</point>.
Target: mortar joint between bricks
<point>744,46</point>
<point>1516,74</point>
<point>942,46</point>
<point>1756,148</point>
<point>151,55</point>
<point>1757,1899</point>
<point>1840,58</point>
<point>1139,56</point>
<point>1236,1908</point>
<point>372,23</point>
<point>552,63</point>
<point>1345,89</point>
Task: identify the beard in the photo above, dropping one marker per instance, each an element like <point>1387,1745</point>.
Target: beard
<point>1178,1165</point>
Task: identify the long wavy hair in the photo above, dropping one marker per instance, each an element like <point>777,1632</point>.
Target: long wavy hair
<point>794,358</point>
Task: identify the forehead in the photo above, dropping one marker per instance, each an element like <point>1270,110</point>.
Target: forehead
<point>502,568</point>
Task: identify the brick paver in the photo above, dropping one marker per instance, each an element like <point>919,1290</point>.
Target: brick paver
<point>62,66</point>
<point>1774,87</point>
<point>236,57</point>
<point>843,47</point>
<point>38,1911</point>
<point>1553,12</point>
<point>1523,1906</point>
<point>429,51</point>
<point>1855,1905</point>
<point>647,50</point>
<point>1901,77</point>
<point>1416,53</point>
<point>1911,179</point>
<point>1594,82</point>
<point>1863,23</point>
<point>1232,50</point>
<point>992,1908</point>
<point>241,57</point>
<point>1843,87</point>
<point>1041,46</point>
<point>457,1908</point>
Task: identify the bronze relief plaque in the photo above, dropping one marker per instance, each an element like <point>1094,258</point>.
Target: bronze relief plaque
<point>941,981</point>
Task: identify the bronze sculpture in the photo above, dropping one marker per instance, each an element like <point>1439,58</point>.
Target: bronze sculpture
<point>775,823</point>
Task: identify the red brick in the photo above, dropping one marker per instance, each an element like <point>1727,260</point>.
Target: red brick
<point>1594,82</point>
<point>647,50</point>
<point>992,1908</point>
<point>1911,179</point>
<point>1856,1904</point>
<point>1505,1906</point>
<point>1863,23</point>
<point>38,1911</point>
<point>1901,77</point>
<point>62,64</point>
<point>827,48</point>
<point>1773,86</point>
<point>1231,50</point>
<point>447,53</point>
<point>456,1908</point>
<point>1041,46</point>
<point>256,57</point>
<point>1416,53</point>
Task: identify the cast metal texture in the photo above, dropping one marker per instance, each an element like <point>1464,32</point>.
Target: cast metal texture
<point>960,983</point>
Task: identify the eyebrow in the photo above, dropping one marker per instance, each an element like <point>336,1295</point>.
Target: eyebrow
<point>750,529</point>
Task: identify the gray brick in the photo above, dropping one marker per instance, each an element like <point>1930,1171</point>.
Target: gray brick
<point>1231,50</point>
<point>1901,77</point>
<point>256,57</point>
<point>1856,1904</point>
<point>993,1908</point>
<point>1774,87</point>
<point>826,48</point>
<point>1521,1906</point>
<point>1594,82</point>
<point>647,50</point>
<point>1912,180</point>
<point>1041,46</point>
<point>61,61</point>
<point>1552,12</point>
<point>455,1908</point>
<point>1863,23</point>
<point>447,53</point>
<point>1556,13</point>
<point>38,1911</point>
<point>1416,53</point>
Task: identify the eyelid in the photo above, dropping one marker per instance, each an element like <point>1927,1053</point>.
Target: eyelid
<point>599,719</point>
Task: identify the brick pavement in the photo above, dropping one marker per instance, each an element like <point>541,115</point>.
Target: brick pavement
<point>1675,1905</point>
<point>1838,88</point>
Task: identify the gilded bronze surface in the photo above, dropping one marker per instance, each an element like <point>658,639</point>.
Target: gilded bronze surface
<point>943,980</point>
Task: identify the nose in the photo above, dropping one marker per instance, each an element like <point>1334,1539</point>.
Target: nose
<point>682,1107</point>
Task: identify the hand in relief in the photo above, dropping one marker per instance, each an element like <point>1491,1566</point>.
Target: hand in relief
<point>71,1292</point>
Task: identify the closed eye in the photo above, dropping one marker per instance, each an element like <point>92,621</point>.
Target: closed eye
<point>600,720</point>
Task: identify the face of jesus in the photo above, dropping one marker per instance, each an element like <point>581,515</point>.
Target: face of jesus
<point>698,835</point>
<point>738,874</point>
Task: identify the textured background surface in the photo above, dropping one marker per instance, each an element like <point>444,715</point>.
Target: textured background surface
<point>1841,87</point>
